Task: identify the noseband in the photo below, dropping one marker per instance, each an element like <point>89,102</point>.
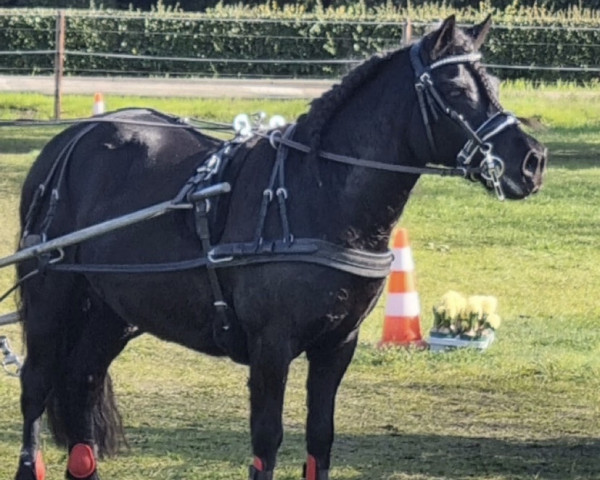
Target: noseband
<point>479,140</point>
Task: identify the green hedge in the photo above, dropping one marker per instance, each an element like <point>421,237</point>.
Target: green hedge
<point>564,39</point>
<point>202,5</point>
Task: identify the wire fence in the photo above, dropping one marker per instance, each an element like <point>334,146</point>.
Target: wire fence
<point>161,65</point>
<point>136,51</point>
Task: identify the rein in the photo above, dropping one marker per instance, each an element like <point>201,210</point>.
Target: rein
<point>430,101</point>
<point>276,138</point>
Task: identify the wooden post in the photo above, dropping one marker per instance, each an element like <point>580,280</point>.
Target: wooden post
<point>407,37</point>
<point>59,61</point>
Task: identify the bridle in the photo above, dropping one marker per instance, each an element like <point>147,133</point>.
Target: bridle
<point>491,168</point>
<point>431,103</point>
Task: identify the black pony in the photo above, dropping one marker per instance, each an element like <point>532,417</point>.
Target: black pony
<point>296,256</point>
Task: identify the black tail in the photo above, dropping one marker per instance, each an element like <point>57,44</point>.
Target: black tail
<point>108,425</point>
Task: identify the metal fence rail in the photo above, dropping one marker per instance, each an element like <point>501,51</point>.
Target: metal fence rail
<point>68,61</point>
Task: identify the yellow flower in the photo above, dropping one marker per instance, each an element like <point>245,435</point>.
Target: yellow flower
<point>489,305</point>
<point>493,320</point>
<point>452,303</point>
<point>474,306</point>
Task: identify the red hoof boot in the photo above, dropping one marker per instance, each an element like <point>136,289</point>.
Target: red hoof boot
<point>257,472</point>
<point>312,471</point>
<point>82,463</point>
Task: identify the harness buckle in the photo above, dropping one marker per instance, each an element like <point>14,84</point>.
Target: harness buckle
<point>424,81</point>
<point>214,260</point>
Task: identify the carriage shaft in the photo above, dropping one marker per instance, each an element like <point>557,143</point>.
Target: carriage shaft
<point>9,318</point>
<point>91,232</point>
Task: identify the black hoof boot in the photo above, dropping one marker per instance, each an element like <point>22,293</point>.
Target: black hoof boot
<point>259,474</point>
<point>311,470</point>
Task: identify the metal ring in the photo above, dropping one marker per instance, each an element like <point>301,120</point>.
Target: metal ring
<point>492,164</point>
<point>61,256</point>
<point>486,148</point>
<point>268,193</point>
<point>425,78</point>
<point>275,139</point>
<point>282,191</point>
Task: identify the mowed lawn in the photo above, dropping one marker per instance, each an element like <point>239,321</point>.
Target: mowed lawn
<point>527,408</point>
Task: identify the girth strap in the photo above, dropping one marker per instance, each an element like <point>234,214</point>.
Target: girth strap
<point>303,250</point>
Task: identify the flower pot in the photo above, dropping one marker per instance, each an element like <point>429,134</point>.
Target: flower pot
<point>443,342</point>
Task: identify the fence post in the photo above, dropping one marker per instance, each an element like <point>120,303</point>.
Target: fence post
<point>407,34</point>
<point>59,60</point>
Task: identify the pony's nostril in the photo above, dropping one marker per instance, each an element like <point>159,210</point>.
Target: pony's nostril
<point>534,164</point>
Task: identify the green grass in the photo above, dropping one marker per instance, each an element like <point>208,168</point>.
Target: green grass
<point>525,409</point>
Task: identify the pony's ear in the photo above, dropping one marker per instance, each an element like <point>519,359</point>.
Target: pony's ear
<point>479,32</point>
<point>442,38</point>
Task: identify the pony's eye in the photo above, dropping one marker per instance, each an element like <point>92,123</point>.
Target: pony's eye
<point>456,92</point>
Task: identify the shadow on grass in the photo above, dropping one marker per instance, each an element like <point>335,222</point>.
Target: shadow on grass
<point>392,453</point>
<point>572,156</point>
<point>23,139</point>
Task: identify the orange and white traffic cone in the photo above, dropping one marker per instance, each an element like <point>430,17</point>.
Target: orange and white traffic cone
<point>402,323</point>
<point>98,108</point>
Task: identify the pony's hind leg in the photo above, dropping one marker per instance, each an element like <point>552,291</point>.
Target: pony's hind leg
<point>87,409</point>
<point>326,369</point>
<point>44,335</point>
<point>35,386</point>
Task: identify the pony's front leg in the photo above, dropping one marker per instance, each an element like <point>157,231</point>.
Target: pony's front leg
<point>270,358</point>
<point>326,369</point>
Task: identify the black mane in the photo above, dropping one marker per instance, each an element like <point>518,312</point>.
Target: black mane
<point>327,105</point>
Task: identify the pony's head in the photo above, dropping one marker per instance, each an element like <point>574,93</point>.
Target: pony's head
<point>462,122</point>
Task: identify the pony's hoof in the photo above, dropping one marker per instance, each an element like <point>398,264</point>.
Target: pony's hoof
<point>322,475</point>
<point>93,476</point>
<point>31,470</point>
<point>260,475</point>
<point>311,471</point>
<point>25,473</point>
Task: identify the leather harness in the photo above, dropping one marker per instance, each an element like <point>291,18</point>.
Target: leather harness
<point>202,187</point>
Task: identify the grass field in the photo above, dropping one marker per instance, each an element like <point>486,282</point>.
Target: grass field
<point>525,409</point>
